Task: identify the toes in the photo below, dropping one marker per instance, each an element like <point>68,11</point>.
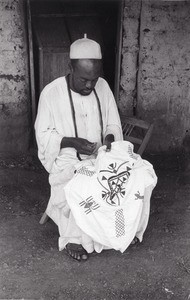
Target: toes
<point>74,255</point>
<point>78,254</point>
<point>84,257</point>
<point>135,241</point>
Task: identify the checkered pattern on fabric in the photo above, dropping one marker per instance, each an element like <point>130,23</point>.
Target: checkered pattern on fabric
<point>119,223</point>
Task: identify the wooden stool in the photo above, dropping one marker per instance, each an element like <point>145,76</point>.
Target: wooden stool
<point>136,131</point>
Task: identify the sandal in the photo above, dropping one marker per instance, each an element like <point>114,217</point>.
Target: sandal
<point>135,241</point>
<point>76,251</point>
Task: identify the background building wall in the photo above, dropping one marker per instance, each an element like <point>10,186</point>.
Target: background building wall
<point>155,71</point>
<point>14,81</point>
<point>160,32</point>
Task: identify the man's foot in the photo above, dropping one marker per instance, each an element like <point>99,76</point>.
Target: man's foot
<point>76,251</point>
<point>135,241</point>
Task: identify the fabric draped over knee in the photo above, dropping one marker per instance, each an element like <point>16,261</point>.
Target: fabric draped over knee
<point>106,202</point>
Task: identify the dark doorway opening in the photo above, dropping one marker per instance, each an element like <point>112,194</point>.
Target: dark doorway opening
<point>55,24</point>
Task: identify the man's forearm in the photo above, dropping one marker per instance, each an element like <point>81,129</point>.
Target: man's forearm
<point>81,145</point>
<point>66,142</point>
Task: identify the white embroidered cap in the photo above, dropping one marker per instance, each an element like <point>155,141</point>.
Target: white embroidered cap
<point>85,49</point>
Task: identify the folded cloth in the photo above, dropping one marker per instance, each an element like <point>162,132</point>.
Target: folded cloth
<point>110,200</point>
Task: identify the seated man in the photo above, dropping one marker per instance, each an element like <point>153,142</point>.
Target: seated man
<point>76,115</point>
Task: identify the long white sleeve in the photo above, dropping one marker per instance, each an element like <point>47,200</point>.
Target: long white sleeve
<point>48,139</point>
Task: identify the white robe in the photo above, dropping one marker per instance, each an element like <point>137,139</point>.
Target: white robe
<point>53,122</point>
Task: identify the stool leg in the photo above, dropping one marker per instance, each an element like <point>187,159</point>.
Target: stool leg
<point>44,218</point>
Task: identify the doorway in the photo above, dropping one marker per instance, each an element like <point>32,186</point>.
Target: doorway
<point>54,24</point>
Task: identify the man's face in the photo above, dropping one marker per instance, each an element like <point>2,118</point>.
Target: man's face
<point>85,73</point>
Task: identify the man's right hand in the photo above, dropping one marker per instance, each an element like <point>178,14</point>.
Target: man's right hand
<point>82,146</point>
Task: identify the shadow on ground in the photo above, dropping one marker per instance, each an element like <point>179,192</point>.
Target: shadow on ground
<point>33,268</point>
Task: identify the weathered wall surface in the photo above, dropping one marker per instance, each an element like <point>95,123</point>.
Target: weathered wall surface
<point>130,53</point>
<point>163,92</point>
<point>164,70</point>
<point>155,71</point>
<point>14,87</point>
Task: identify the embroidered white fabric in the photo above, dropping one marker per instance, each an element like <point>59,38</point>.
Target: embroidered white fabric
<point>109,199</point>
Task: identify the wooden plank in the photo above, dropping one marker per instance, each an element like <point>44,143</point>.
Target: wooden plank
<point>38,40</point>
<point>31,63</point>
<point>41,69</point>
<point>44,218</point>
<point>51,32</point>
<point>56,50</point>
<point>137,122</point>
<point>52,66</point>
<point>127,128</point>
<point>68,14</point>
<point>145,140</point>
<point>78,26</point>
<point>53,49</point>
<point>132,139</point>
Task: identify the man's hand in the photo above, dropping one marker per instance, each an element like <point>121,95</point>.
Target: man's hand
<point>108,140</point>
<point>82,146</point>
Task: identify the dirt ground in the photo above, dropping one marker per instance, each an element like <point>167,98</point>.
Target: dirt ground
<point>33,268</point>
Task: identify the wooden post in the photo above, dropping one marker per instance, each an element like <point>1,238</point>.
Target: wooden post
<point>44,218</point>
<point>31,64</point>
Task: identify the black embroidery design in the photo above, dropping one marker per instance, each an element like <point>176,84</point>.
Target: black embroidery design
<point>119,223</point>
<point>138,196</point>
<point>89,205</point>
<point>131,153</point>
<point>85,171</point>
<point>115,184</point>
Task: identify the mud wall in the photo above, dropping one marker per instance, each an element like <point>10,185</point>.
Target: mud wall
<point>130,54</point>
<point>14,82</point>
<point>156,68</point>
<point>155,71</point>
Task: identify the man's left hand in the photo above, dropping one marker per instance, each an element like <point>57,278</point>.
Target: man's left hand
<point>108,140</point>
